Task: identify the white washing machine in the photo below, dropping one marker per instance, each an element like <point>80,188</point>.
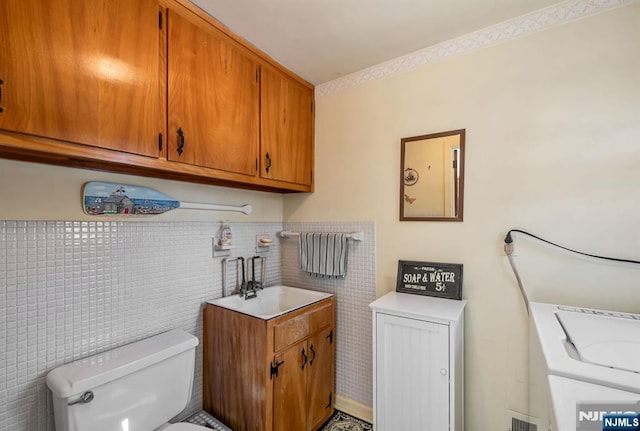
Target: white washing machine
<point>584,362</point>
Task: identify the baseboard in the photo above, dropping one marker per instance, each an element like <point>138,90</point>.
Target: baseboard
<point>354,408</point>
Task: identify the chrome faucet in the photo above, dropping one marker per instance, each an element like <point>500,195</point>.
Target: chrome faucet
<point>244,286</point>
<point>257,284</point>
<point>250,288</point>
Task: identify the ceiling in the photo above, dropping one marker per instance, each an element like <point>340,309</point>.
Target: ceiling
<point>322,40</point>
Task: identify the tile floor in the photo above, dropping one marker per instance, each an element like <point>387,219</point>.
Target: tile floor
<point>340,421</point>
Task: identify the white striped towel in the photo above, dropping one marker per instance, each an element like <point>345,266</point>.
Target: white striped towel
<point>323,254</point>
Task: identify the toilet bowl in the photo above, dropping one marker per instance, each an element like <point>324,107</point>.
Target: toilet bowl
<point>139,386</point>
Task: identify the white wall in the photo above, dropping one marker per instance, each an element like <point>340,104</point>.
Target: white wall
<point>553,146</point>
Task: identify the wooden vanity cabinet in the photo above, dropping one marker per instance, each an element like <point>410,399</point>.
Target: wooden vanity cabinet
<point>270,375</point>
<point>83,72</point>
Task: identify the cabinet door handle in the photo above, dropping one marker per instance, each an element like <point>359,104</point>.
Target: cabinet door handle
<point>313,352</point>
<point>268,167</point>
<point>180,141</point>
<point>304,359</point>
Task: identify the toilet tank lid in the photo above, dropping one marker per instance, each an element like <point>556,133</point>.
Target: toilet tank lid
<point>88,373</point>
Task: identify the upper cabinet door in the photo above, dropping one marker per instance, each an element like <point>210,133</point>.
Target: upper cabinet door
<point>83,71</point>
<point>213,99</point>
<point>287,128</point>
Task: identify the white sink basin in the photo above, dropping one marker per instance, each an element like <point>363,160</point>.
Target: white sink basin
<point>271,302</point>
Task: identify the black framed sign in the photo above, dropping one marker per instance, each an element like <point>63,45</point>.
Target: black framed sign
<point>430,278</point>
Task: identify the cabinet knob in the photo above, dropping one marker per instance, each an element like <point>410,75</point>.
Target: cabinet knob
<point>443,371</point>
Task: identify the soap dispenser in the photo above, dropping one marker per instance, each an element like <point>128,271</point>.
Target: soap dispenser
<point>225,234</point>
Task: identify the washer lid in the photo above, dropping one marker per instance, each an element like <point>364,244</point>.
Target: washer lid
<point>604,340</point>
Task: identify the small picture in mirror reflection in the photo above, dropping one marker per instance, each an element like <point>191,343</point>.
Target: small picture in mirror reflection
<point>410,177</point>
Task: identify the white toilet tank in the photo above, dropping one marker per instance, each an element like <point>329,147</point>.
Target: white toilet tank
<point>137,387</point>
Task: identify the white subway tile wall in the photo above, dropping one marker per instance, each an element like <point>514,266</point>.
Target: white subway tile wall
<point>354,293</point>
<point>69,290</point>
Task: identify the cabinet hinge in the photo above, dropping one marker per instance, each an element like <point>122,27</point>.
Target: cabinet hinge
<point>159,141</point>
<point>455,164</point>
<point>160,19</point>
<point>274,369</point>
<point>312,106</point>
<point>330,400</point>
<point>256,164</point>
<point>330,337</point>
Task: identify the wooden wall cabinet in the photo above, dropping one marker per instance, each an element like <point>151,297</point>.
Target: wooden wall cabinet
<point>270,375</point>
<point>418,363</point>
<point>150,87</point>
<point>286,129</point>
<point>83,72</point>
<point>213,98</point>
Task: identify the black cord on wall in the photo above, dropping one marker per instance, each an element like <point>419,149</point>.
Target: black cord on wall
<point>508,249</point>
<point>509,240</point>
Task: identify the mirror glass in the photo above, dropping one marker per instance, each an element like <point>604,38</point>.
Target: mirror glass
<point>432,177</point>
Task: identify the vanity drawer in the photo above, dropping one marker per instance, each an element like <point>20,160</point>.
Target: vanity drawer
<point>296,328</point>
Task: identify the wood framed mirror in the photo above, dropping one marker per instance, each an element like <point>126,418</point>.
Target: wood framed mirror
<point>432,177</point>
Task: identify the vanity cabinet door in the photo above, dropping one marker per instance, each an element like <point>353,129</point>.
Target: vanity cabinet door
<point>289,389</point>
<point>303,389</point>
<point>320,378</point>
<point>83,71</point>
<point>213,99</point>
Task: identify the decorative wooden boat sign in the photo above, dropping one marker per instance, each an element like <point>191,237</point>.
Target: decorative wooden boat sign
<point>100,198</point>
